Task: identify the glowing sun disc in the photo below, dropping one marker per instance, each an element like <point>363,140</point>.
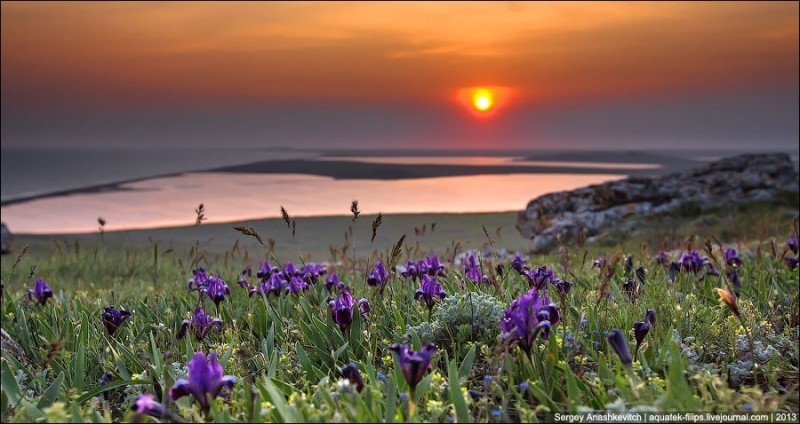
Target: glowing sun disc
<point>482,101</point>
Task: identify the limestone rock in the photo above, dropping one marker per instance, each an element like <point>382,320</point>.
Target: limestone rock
<point>563,216</point>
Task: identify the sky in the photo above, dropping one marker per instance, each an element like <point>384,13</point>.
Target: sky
<point>387,75</point>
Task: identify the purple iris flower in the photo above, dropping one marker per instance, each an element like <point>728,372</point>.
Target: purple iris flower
<point>792,243</point>
<point>41,291</point>
<point>332,282</point>
<point>672,268</point>
<point>200,279</point>
<point>431,266</point>
<point>377,277</point>
<point>430,291</point>
<point>631,289</point>
<point>205,381</point>
<point>737,284</point>
<point>105,379</point>
<point>600,262</point>
<point>351,372</point>
<point>296,285</point>
<point>792,262</point>
<point>539,277</point>
<point>113,318</point>
<point>272,285</point>
<point>650,316</point>
<point>620,345</point>
<point>243,279</point>
<point>289,271</point>
<point>216,289</point>
<point>436,268</point>
<point>266,269</point>
<point>641,274</point>
<point>413,364</point>
<point>200,324</point>
<point>476,394</point>
<point>312,272</point>
<point>410,270</point>
<point>342,309</point>
<point>640,330</point>
<point>519,264</point>
<point>363,306</point>
<point>422,267</point>
<point>662,259</point>
<point>527,316</point>
<point>628,265</point>
<point>732,258</point>
<point>562,286</point>
<point>472,269</point>
<point>692,261</point>
<point>146,404</point>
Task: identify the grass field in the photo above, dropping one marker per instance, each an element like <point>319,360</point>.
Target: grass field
<point>287,351</point>
<point>313,237</point>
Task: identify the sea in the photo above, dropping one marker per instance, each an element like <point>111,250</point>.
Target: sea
<point>44,189</point>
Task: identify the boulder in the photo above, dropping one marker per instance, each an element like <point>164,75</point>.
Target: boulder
<point>564,216</point>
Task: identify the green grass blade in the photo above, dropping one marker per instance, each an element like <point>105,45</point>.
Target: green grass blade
<point>155,353</point>
<point>466,364</point>
<point>51,393</point>
<point>302,358</point>
<point>391,403</point>
<point>573,392</point>
<point>80,354</point>
<point>456,397</point>
<point>75,412</point>
<point>286,413</point>
<point>10,386</point>
<point>270,342</point>
<point>113,385</point>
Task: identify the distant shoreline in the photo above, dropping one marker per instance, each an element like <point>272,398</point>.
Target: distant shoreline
<point>349,169</point>
<point>98,188</point>
<point>339,164</point>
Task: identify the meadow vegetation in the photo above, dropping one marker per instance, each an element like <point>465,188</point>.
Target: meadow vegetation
<point>657,315</point>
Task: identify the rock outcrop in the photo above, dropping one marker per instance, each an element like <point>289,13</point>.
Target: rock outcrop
<point>563,216</point>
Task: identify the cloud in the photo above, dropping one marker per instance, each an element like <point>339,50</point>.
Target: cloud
<point>101,54</point>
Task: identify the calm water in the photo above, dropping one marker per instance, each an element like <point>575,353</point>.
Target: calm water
<point>170,201</point>
<point>37,171</point>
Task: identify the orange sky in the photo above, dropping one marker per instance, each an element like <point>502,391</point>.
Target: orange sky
<point>122,55</point>
<point>357,74</point>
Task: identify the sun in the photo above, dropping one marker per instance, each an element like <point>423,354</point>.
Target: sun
<point>482,100</point>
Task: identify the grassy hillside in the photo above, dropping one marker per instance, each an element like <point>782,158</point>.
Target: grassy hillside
<point>286,351</point>
<point>313,236</point>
